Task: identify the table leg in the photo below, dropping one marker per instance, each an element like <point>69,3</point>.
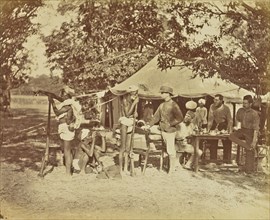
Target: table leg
<point>196,158</point>
<point>238,154</point>
<point>227,150</point>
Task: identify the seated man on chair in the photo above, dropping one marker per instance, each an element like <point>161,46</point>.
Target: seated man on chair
<point>187,128</point>
<point>91,146</point>
<point>246,131</point>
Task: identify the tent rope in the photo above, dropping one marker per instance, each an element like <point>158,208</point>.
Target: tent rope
<point>100,104</point>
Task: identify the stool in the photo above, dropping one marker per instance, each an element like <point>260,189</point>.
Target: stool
<point>183,158</point>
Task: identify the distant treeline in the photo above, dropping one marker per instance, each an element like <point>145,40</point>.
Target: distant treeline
<point>24,100</point>
<point>42,82</point>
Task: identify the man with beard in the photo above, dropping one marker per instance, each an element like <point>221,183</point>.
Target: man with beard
<point>187,128</point>
<point>246,131</point>
<point>220,119</point>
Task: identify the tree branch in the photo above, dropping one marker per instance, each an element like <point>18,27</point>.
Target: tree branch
<point>147,41</point>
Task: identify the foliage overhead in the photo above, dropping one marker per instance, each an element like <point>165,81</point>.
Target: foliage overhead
<point>98,49</point>
<point>112,39</point>
<point>239,52</point>
<point>95,51</point>
<point>15,27</point>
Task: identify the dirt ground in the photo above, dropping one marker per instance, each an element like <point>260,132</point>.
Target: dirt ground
<point>212,194</point>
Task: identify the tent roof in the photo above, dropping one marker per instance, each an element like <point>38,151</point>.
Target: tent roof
<point>150,78</point>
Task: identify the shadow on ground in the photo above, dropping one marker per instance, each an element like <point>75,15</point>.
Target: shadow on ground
<point>259,181</point>
<point>27,155</point>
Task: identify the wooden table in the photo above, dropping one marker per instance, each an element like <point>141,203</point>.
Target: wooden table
<point>198,137</point>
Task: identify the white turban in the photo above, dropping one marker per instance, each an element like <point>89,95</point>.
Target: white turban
<point>84,133</point>
<point>201,101</point>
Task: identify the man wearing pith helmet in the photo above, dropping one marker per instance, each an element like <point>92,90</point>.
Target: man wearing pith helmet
<point>168,115</point>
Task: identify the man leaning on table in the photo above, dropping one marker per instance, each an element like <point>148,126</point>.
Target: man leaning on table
<point>219,118</point>
<point>246,131</point>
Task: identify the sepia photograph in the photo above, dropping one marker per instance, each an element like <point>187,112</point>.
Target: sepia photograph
<point>134,109</point>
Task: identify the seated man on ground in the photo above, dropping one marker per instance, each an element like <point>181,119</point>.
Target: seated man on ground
<point>187,129</point>
<point>91,146</point>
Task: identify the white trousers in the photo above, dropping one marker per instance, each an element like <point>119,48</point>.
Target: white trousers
<point>169,139</point>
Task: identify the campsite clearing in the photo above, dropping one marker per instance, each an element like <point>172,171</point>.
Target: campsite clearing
<point>157,195</point>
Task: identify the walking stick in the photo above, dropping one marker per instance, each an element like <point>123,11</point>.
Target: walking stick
<point>45,158</point>
<point>131,154</point>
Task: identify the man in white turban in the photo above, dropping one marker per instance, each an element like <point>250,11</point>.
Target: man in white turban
<point>201,114</point>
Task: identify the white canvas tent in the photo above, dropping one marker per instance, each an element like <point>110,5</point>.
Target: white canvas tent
<point>150,78</point>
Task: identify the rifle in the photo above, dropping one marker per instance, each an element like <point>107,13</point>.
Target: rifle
<point>45,158</point>
<point>131,154</point>
<point>49,94</point>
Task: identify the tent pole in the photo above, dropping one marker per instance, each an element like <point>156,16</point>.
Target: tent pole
<point>111,114</point>
<point>234,112</point>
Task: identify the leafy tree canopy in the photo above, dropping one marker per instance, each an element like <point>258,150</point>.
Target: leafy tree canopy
<point>93,52</point>
<point>99,47</point>
<point>15,26</point>
<point>239,51</point>
<point>111,39</point>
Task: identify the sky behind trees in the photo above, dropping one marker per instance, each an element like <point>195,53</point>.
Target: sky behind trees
<point>100,41</point>
<point>48,20</point>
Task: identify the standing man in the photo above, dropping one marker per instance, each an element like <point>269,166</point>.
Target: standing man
<point>66,120</point>
<point>201,115</point>
<point>168,115</point>
<point>220,118</point>
<point>247,128</point>
<point>128,112</point>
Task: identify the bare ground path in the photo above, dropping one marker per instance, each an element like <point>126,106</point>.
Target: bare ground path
<point>182,195</point>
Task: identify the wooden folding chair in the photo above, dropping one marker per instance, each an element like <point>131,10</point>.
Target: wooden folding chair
<point>157,148</point>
